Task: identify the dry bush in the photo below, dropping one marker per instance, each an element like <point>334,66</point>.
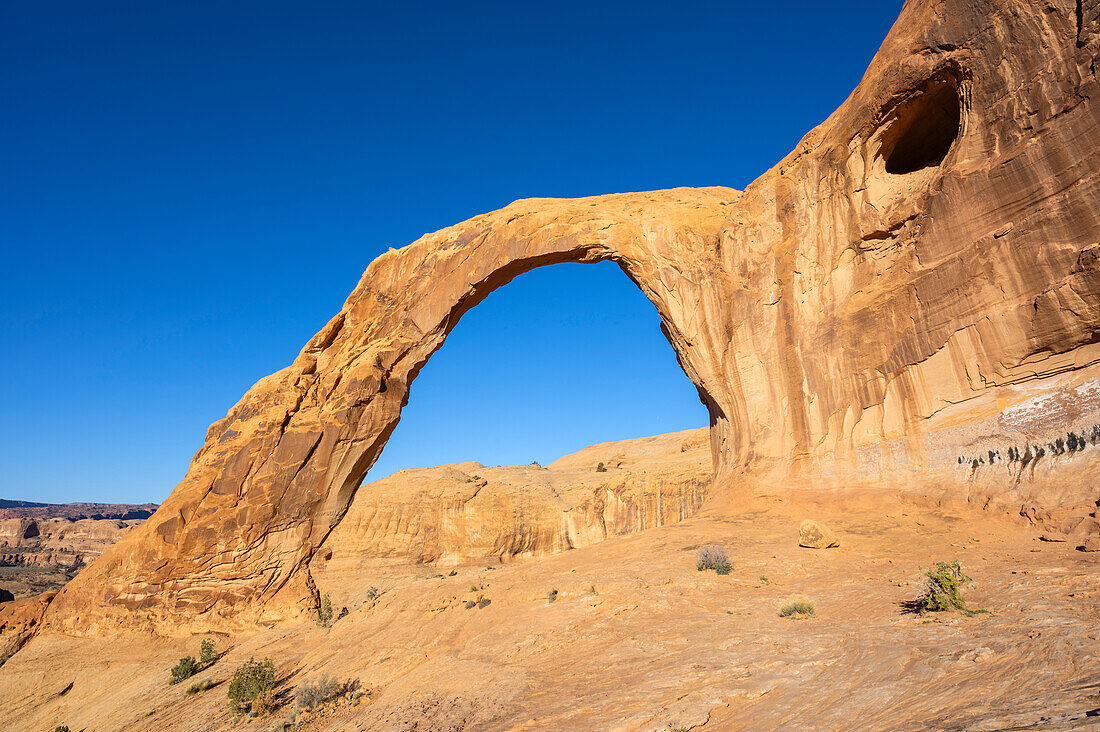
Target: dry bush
<point>798,606</point>
<point>712,557</point>
<point>318,691</point>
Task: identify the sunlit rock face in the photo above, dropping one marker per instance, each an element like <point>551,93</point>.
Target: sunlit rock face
<point>865,314</point>
<point>471,513</point>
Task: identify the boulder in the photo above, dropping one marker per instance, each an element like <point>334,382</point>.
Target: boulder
<point>813,535</point>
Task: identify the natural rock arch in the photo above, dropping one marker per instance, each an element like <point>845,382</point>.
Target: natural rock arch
<point>278,473</point>
<point>854,318</point>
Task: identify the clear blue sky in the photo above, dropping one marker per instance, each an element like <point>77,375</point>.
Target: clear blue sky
<point>188,191</point>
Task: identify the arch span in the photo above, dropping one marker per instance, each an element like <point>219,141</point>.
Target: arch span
<point>279,472</point>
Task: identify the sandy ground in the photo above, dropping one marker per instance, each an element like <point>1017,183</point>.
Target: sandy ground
<point>637,639</point>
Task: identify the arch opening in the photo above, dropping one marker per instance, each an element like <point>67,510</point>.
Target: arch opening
<point>923,128</point>
<point>555,415</point>
<point>552,362</point>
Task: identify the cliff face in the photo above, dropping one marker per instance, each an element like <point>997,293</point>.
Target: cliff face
<point>865,314</point>
<point>467,512</point>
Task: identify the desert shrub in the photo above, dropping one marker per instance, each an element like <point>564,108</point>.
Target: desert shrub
<point>551,595</point>
<point>264,703</point>
<point>61,728</point>
<point>712,557</point>
<point>373,594</point>
<point>452,573</point>
<point>592,590</point>
<point>600,468</point>
<point>483,603</point>
<point>185,669</point>
<point>797,607</point>
<point>941,588</point>
<point>198,686</point>
<point>324,611</point>
<point>250,680</point>
<point>206,651</point>
<point>316,692</point>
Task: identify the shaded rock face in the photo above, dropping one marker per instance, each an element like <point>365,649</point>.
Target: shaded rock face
<point>862,314</point>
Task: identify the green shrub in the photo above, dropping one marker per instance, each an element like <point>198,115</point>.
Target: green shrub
<point>185,669</point>
<point>324,611</point>
<point>600,468</point>
<point>251,680</point>
<point>206,651</point>
<point>373,593</point>
<point>61,728</point>
<point>198,686</point>
<point>317,692</point>
<point>941,588</point>
<point>797,607</point>
<point>712,557</point>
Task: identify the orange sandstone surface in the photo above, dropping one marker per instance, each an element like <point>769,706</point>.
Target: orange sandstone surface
<point>896,332</point>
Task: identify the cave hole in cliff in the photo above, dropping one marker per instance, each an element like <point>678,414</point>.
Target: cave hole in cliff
<point>562,357</point>
<point>921,131</point>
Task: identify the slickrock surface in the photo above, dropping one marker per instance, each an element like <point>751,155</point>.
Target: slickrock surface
<point>637,639</point>
<point>895,327</point>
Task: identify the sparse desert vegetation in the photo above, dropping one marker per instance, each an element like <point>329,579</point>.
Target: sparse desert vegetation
<point>185,669</point>
<point>796,607</point>
<point>942,585</point>
<point>324,611</point>
<point>713,557</point>
<point>316,692</point>
<point>251,687</point>
<point>188,666</point>
<point>200,686</point>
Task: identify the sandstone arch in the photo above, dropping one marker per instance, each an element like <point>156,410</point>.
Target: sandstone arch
<point>850,319</point>
<point>277,474</point>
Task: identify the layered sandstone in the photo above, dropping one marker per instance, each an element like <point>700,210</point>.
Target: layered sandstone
<point>43,545</point>
<point>865,314</point>
<point>470,513</point>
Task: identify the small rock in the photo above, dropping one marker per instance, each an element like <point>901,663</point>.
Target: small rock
<point>813,535</point>
<point>1091,544</point>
